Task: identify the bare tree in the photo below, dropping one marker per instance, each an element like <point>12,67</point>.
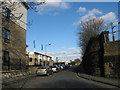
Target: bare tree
<point>88,29</point>
<point>13,6</point>
<point>34,5</point>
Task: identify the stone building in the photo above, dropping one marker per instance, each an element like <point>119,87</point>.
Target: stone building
<point>13,33</point>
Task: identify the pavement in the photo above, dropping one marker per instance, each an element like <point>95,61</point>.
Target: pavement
<point>109,81</point>
<point>6,82</point>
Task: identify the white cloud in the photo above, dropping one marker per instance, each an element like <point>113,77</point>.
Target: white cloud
<point>77,22</point>
<point>94,11</point>
<point>53,1</point>
<point>52,6</point>
<point>74,50</point>
<point>91,14</point>
<point>87,15</point>
<point>56,13</point>
<point>57,53</point>
<point>64,5</point>
<point>46,1</point>
<point>71,53</point>
<point>81,9</point>
<point>72,0</point>
<point>110,17</point>
<point>84,18</point>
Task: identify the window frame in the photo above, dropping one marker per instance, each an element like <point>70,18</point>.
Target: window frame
<point>30,60</point>
<point>6,35</point>
<point>6,62</point>
<point>7,14</point>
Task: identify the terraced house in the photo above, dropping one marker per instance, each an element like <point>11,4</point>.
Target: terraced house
<point>13,33</point>
<point>37,59</point>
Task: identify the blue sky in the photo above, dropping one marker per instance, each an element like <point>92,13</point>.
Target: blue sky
<point>57,23</point>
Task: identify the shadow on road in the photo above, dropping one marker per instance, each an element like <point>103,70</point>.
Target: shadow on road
<point>77,69</point>
<point>63,84</point>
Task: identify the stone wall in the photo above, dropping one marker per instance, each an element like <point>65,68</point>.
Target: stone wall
<point>111,58</point>
<point>112,48</point>
<point>101,57</point>
<point>91,59</point>
<point>6,75</point>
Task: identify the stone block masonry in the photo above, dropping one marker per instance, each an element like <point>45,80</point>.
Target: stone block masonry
<point>102,57</point>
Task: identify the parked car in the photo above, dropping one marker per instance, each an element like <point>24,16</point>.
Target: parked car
<point>70,65</point>
<point>44,70</point>
<point>67,65</point>
<point>54,68</point>
<point>61,66</point>
<point>58,67</point>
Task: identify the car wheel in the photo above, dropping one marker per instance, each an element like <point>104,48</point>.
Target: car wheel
<point>48,74</point>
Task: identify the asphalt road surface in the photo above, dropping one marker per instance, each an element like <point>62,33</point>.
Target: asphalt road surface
<point>63,79</point>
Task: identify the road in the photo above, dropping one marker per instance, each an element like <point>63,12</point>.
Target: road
<point>63,79</point>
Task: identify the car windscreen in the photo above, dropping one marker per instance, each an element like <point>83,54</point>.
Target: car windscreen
<point>55,66</point>
<point>51,66</point>
<point>47,66</point>
<point>42,67</point>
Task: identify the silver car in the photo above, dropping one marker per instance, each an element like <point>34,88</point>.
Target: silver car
<point>44,70</point>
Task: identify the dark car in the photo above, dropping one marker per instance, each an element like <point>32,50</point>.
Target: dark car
<point>67,65</point>
<point>44,70</point>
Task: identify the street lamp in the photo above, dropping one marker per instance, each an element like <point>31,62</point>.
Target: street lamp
<point>46,48</point>
<point>112,27</point>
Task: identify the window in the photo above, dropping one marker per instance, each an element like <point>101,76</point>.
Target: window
<point>7,14</point>
<point>6,35</point>
<point>35,63</point>
<point>40,60</point>
<point>30,59</point>
<point>6,58</point>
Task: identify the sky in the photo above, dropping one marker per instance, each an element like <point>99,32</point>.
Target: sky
<point>57,23</point>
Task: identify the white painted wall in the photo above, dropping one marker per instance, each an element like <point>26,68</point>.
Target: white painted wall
<point>23,20</point>
<point>19,9</point>
<point>39,57</point>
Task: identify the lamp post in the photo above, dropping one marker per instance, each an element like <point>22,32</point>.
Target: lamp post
<point>46,48</point>
<point>112,27</point>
